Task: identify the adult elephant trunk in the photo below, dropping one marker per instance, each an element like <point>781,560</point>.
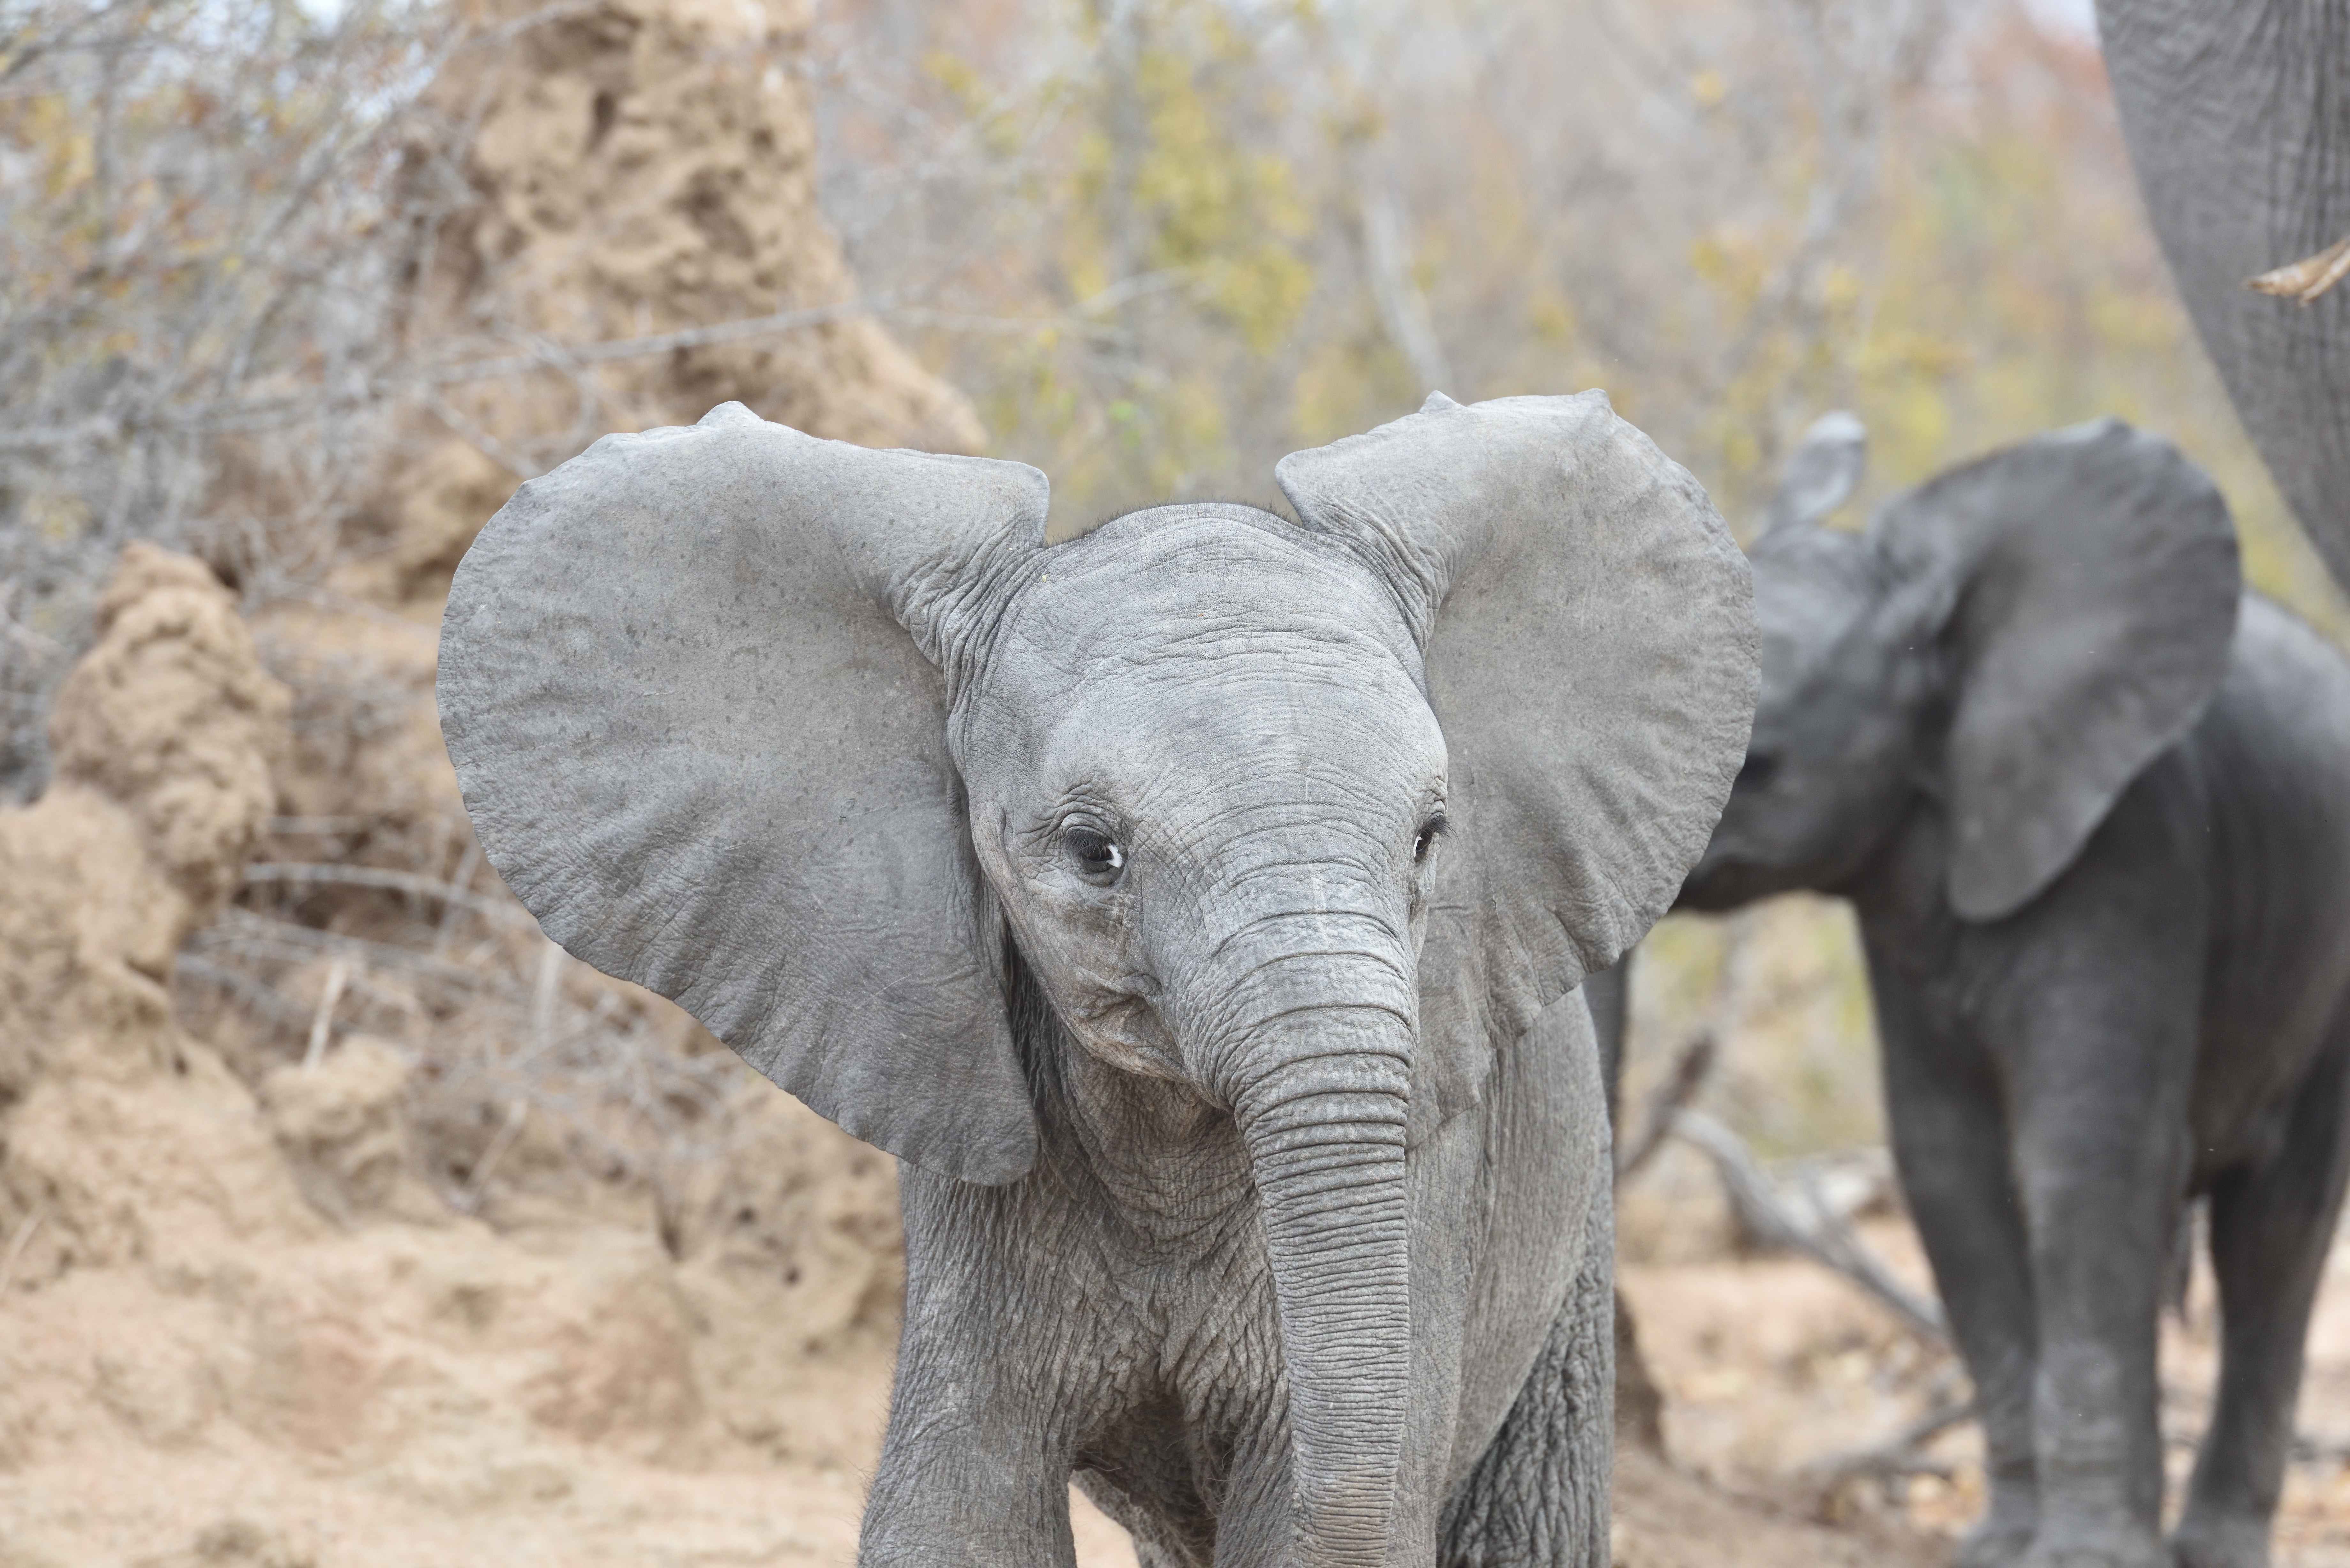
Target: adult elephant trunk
<point>1323,1118</point>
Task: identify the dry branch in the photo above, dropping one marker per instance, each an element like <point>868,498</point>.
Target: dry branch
<point>1670,1098</point>
<point>23,1239</point>
<point>242,931</point>
<point>265,871</point>
<point>1820,1234</point>
<point>1894,1459</point>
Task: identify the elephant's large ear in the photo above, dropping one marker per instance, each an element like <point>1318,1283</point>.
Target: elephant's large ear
<point>1588,629</point>
<point>691,681</point>
<point>2091,581</point>
<point>1821,473</point>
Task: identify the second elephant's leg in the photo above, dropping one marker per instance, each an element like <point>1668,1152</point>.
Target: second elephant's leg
<point>2098,1085</point>
<point>1950,1142</point>
<point>1539,1496</point>
<point>2271,1228</point>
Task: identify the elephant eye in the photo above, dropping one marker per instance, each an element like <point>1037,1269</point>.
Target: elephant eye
<point>1759,768</point>
<point>1424,842</point>
<point>1097,855</point>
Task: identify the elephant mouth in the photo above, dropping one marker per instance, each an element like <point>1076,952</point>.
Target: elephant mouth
<point>1716,886</point>
<point>1719,884</point>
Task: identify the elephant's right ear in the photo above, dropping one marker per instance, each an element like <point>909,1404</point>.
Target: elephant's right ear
<point>1820,474</point>
<point>692,683</point>
<point>1588,630</point>
<point>2087,583</point>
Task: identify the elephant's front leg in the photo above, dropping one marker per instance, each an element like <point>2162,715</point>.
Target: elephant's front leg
<point>1538,1498</point>
<point>1951,1145</point>
<point>2098,1090</point>
<point>974,1469</point>
<point>968,1475</point>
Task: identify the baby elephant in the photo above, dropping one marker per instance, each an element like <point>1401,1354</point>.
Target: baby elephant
<point>1195,906</point>
<point>2093,807</point>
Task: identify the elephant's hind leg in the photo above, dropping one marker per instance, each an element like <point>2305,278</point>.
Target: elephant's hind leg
<point>2271,1228</point>
<point>1540,1494</point>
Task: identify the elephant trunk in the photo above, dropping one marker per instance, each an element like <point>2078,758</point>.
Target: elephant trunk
<point>1324,1130</point>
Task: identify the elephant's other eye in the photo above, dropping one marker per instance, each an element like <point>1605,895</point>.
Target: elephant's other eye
<point>1098,855</point>
<point>1758,771</point>
<point>1424,842</point>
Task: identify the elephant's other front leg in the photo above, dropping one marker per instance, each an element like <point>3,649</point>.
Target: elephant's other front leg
<point>2098,1089</point>
<point>2271,1228</point>
<point>1539,1496</point>
<point>1950,1144</point>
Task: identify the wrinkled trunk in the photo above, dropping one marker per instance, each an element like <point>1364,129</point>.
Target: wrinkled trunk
<point>1325,1128</point>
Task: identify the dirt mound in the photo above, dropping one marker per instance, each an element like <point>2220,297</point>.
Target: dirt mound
<point>643,173</point>
<point>125,1139</point>
<point>638,240</point>
<point>647,166</point>
<point>213,1275</point>
<point>163,738</point>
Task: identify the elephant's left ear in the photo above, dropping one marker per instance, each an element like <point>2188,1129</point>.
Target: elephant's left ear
<point>1588,629</point>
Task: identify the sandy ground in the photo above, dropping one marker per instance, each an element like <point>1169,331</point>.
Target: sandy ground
<point>231,1504</point>
<point>242,1502</point>
<point>1771,1367</point>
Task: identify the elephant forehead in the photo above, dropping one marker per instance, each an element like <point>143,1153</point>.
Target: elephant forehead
<point>1807,599</point>
<point>1181,590</point>
<point>1300,716</point>
<point>1188,635</point>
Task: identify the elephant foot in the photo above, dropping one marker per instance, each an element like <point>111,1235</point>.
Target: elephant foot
<point>2060,1544</point>
<point>2003,1535</point>
<point>1993,1544</point>
<point>2208,1542</point>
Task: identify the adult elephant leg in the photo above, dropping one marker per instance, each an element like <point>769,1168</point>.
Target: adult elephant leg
<point>2271,1229</point>
<point>1950,1144</point>
<point>1538,1498</point>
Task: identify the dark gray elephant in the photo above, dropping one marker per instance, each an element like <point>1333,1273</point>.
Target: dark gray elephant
<point>2090,808</point>
<point>2238,118</point>
<point>1195,906</point>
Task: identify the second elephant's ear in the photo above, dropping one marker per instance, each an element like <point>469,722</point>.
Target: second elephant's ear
<point>2091,584</point>
<point>1820,474</point>
<point>1588,630</point>
<point>691,681</point>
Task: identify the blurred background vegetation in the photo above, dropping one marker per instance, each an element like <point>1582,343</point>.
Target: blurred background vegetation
<point>1162,242</point>
<point>1158,243</point>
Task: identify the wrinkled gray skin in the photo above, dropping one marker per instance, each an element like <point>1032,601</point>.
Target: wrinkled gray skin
<point>2092,816</point>
<point>1607,994</point>
<point>2239,125</point>
<point>1195,906</point>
